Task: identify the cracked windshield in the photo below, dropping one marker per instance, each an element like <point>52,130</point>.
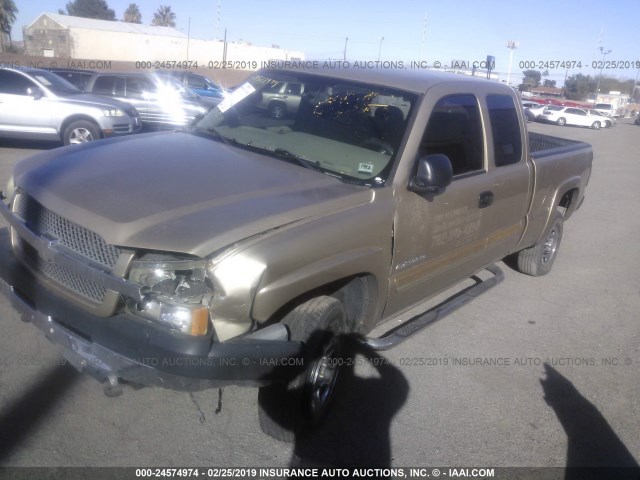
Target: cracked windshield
<point>348,130</point>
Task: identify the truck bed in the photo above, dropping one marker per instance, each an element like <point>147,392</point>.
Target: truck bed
<point>543,145</point>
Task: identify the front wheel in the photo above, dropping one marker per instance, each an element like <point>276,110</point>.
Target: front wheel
<point>288,410</point>
<point>562,121</point>
<point>538,260</point>
<point>81,131</point>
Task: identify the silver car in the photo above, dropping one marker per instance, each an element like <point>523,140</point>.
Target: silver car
<point>39,105</point>
<point>161,100</point>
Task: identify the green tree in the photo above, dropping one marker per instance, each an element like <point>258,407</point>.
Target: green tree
<point>8,12</point>
<point>549,83</point>
<point>90,9</point>
<point>577,87</point>
<point>164,17</point>
<point>531,79</point>
<point>132,14</point>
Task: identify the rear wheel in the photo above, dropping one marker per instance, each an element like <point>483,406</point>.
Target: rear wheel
<point>562,121</point>
<point>596,125</point>
<point>288,410</point>
<point>538,260</point>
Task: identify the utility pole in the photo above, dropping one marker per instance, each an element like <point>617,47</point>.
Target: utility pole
<point>344,55</point>
<point>604,54</point>
<point>380,47</point>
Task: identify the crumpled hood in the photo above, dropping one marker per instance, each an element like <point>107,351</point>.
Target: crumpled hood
<point>174,191</point>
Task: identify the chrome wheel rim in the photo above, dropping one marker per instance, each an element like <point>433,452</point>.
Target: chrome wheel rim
<point>550,245</point>
<point>277,112</point>
<point>323,376</point>
<point>80,135</point>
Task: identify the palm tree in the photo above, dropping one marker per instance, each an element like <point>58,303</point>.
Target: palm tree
<point>8,12</point>
<point>164,17</point>
<point>132,14</point>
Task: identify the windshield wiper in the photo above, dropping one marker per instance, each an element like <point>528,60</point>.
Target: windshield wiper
<point>287,155</point>
<point>215,134</point>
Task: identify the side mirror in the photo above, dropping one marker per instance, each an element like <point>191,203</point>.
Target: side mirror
<point>433,175</point>
<point>35,92</point>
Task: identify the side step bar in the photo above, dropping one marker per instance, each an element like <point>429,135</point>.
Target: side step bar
<point>423,320</point>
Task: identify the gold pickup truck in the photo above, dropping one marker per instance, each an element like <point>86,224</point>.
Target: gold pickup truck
<point>244,249</point>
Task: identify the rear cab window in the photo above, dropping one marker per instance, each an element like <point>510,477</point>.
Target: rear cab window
<point>505,128</point>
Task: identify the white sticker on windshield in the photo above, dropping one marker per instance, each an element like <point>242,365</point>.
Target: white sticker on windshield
<point>365,168</point>
<point>43,80</point>
<point>238,94</point>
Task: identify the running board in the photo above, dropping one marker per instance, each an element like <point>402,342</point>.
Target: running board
<point>423,320</point>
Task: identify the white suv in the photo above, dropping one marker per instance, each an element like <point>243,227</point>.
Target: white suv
<point>39,105</point>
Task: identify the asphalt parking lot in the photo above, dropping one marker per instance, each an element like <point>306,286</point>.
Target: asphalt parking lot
<point>537,372</point>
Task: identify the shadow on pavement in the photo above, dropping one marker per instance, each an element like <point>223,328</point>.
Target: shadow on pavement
<point>356,430</point>
<point>26,413</point>
<point>592,442</point>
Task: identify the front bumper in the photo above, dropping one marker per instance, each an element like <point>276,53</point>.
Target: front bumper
<point>124,347</point>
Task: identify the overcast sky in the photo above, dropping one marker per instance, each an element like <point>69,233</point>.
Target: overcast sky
<point>571,30</point>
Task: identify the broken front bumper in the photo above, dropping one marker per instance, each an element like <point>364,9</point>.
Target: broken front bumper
<point>123,347</point>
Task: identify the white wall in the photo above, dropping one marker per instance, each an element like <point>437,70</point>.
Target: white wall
<point>133,47</point>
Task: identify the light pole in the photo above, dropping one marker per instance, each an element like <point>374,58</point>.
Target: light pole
<point>511,45</point>
<point>380,47</point>
<point>604,54</point>
<point>344,55</point>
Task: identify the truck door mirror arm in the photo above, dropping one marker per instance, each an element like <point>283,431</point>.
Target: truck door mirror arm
<point>433,175</point>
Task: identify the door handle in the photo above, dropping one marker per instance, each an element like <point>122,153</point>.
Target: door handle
<point>485,199</point>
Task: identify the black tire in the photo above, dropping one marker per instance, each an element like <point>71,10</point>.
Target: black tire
<point>538,260</point>
<point>81,131</point>
<point>562,121</point>
<point>277,110</point>
<point>286,411</point>
<point>596,125</point>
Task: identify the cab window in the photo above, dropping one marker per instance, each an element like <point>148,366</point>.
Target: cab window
<point>505,125</point>
<point>455,130</point>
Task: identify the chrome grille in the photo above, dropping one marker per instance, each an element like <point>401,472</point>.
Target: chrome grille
<point>80,240</point>
<point>70,280</point>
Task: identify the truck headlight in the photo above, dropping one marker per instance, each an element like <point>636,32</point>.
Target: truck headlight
<point>175,292</point>
<point>113,112</point>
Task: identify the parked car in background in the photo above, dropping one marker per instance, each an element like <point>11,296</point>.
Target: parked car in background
<point>39,105</point>
<point>209,91</point>
<point>161,100</point>
<point>526,105</point>
<point>76,77</point>
<point>607,122</point>
<point>281,99</point>
<point>538,110</point>
<point>606,109</point>
<point>573,116</point>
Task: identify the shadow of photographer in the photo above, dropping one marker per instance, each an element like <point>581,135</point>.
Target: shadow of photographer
<point>593,448</point>
<point>355,431</point>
